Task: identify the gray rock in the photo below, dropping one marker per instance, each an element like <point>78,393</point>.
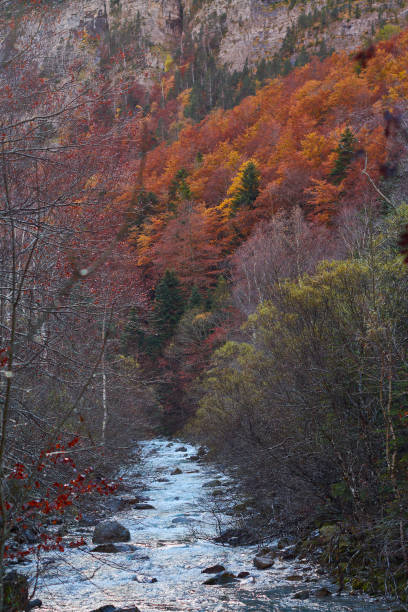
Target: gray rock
<point>34,603</point>
<point>106,548</point>
<point>288,553</point>
<point>144,579</point>
<point>213,483</point>
<point>322,593</point>
<point>163,480</point>
<point>301,595</point>
<point>143,507</point>
<point>176,472</point>
<point>294,577</point>
<point>110,531</point>
<point>214,569</point>
<point>243,574</point>
<point>125,502</point>
<point>181,449</point>
<point>263,563</point>
<point>221,578</point>
<point>113,609</point>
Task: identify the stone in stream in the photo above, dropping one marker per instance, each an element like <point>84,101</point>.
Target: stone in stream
<point>181,449</point>
<point>288,553</point>
<point>263,563</point>
<point>176,472</point>
<point>106,548</point>
<point>322,593</point>
<point>243,574</point>
<point>110,531</point>
<point>34,603</point>
<point>144,579</point>
<point>213,483</point>
<point>214,569</point>
<point>294,577</point>
<point>301,595</point>
<point>125,502</point>
<point>163,480</point>
<point>143,507</point>
<point>221,578</point>
<point>113,609</point>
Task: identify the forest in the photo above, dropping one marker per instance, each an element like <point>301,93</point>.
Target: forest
<point>216,256</point>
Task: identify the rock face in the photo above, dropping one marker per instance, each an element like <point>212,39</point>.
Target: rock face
<point>241,30</point>
<point>109,532</point>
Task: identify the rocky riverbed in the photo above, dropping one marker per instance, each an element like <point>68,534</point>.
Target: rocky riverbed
<point>155,559</point>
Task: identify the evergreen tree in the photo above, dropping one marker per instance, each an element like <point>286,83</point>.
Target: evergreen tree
<point>345,152</point>
<point>168,306</point>
<point>179,189</point>
<point>195,300</point>
<point>248,190</point>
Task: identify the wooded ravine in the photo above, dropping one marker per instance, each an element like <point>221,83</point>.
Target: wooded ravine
<point>204,241</point>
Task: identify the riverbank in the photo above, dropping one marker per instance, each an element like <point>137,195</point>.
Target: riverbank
<point>172,542</point>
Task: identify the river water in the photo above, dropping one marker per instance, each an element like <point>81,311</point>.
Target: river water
<point>170,546</point>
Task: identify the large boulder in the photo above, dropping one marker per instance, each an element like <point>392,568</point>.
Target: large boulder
<point>214,569</point>
<point>263,563</point>
<point>221,578</point>
<point>110,531</point>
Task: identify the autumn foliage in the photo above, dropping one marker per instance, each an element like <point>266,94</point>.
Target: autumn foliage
<point>292,131</point>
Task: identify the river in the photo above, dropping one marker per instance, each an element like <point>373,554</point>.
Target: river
<point>169,546</point>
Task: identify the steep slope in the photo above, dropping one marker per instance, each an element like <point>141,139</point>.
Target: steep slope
<point>237,31</point>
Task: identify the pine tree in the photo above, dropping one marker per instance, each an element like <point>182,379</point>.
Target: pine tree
<point>248,190</point>
<point>168,305</point>
<point>345,152</point>
<point>195,300</point>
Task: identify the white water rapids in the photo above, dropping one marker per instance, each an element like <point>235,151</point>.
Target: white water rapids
<point>168,547</point>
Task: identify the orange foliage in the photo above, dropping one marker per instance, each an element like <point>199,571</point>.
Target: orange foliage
<point>291,129</point>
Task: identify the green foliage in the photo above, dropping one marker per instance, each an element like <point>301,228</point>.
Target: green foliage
<point>168,305</point>
<point>179,189</point>
<point>249,188</point>
<point>388,31</point>
<point>195,300</point>
<point>316,386</point>
<point>345,153</point>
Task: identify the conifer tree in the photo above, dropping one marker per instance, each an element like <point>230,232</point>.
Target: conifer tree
<point>345,152</point>
<point>195,300</point>
<point>168,305</point>
<point>248,189</point>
